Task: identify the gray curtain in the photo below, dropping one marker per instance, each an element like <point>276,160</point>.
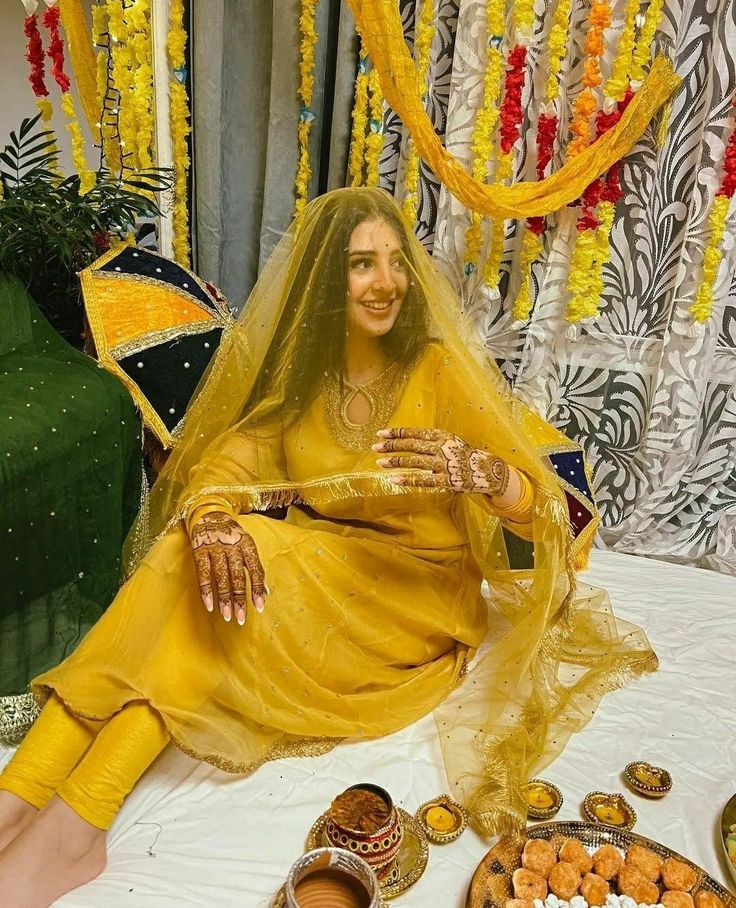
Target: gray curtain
<point>245,72</point>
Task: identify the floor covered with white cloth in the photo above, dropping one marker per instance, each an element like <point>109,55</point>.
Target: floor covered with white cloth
<point>190,835</point>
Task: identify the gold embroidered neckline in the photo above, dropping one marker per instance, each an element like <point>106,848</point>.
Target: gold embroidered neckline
<point>381,393</point>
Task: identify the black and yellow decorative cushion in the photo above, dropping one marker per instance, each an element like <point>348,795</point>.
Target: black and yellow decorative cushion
<point>156,326</point>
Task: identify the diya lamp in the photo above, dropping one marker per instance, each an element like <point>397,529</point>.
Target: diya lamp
<point>364,821</point>
<point>331,878</point>
<point>647,780</point>
<point>442,819</point>
<point>543,799</point>
<point>609,810</point>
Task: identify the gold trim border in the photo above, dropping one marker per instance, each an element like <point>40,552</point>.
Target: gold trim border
<point>17,714</point>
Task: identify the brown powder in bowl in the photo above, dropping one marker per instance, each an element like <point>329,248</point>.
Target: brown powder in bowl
<point>359,810</point>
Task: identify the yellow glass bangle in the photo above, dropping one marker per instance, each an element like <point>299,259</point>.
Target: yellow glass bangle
<point>209,506</point>
<point>521,511</point>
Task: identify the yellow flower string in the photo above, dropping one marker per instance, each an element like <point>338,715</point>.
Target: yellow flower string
<point>138,20</point>
<point>618,81</point>
<point>123,80</point>
<point>87,178</point>
<point>485,123</point>
<point>360,121</point>
<point>423,44</point>
<point>374,142</point>
<point>641,54</point>
<point>492,267</point>
<point>306,90</point>
<point>557,43</point>
<point>703,305</point>
<point>180,129</point>
<point>531,247</point>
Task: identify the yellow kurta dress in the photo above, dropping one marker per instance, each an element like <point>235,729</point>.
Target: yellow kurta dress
<point>373,609</point>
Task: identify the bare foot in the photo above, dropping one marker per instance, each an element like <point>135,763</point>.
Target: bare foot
<point>15,813</point>
<point>54,854</point>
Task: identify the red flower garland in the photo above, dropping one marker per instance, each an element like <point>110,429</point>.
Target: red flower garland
<point>56,49</point>
<point>34,55</point>
<point>728,181</point>
<point>546,133</point>
<point>511,113</point>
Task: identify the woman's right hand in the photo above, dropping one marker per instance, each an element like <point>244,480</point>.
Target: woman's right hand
<point>226,558</point>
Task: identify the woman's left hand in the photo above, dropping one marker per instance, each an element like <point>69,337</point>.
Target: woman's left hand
<point>440,460</point>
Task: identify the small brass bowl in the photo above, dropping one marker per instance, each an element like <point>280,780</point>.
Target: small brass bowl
<point>609,810</point>
<point>647,780</point>
<point>543,799</point>
<point>442,819</point>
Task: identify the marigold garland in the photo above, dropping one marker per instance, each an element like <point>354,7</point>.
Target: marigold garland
<point>557,43</point>
<point>180,129</point>
<point>485,122</point>
<point>103,42</point>
<point>360,122</point>
<point>492,267</point>
<point>531,247</point>
<point>702,306</point>
<point>641,55</point>
<point>55,52</point>
<point>374,140</point>
<point>618,81</point>
<point>307,44</point>
<point>586,103</point>
<point>510,116</point>
<point>138,23</point>
<point>423,45</point>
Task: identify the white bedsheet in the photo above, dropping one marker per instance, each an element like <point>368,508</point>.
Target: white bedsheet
<point>191,835</point>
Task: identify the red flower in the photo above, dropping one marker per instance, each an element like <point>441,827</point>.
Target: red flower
<point>587,221</point>
<point>546,132</point>
<point>56,48</point>
<point>511,113</point>
<point>536,225</point>
<point>34,55</point>
<point>101,240</point>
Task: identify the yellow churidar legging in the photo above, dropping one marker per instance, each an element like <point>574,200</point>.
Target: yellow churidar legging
<point>92,765</point>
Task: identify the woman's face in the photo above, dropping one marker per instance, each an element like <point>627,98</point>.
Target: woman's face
<point>377,278</point>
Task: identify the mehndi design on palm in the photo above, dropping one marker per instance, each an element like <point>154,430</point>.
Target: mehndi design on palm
<point>441,461</point>
<point>226,556</point>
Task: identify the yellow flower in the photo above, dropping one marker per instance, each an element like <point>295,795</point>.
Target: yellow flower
<point>360,123</point>
<point>180,129</point>
<point>641,50</point>
<point>306,88</point>
<point>423,45</point>
<point>702,307</point>
<point>374,141</point>
<point>557,47</point>
<point>87,179</point>
<point>618,81</point>
<point>531,246</point>
<point>492,267</point>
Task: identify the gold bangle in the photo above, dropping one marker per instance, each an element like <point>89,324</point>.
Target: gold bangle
<point>519,511</point>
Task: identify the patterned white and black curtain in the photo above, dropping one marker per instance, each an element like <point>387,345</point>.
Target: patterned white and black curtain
<point>653,405</point>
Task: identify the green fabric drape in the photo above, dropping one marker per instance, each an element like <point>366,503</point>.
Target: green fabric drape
<point>70,475</point>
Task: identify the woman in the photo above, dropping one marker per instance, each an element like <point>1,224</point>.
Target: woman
<point>353,393</point>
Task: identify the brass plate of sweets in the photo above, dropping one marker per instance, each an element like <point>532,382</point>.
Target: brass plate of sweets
<point>492,884</point>
<point>442,819</point>
<point>412,857</point>
<point>647,780</point>
<point>609,809</point>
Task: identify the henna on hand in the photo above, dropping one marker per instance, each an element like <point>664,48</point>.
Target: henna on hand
<point>439,459</point>
<point>226,557</point>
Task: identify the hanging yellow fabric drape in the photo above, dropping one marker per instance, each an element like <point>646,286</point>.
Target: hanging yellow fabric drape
<point>380,25</point>
<point>79,44</point>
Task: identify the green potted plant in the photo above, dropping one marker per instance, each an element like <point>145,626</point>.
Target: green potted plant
<point>49,231</point>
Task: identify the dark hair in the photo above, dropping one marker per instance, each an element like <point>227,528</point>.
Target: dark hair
<point>324,317</point>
